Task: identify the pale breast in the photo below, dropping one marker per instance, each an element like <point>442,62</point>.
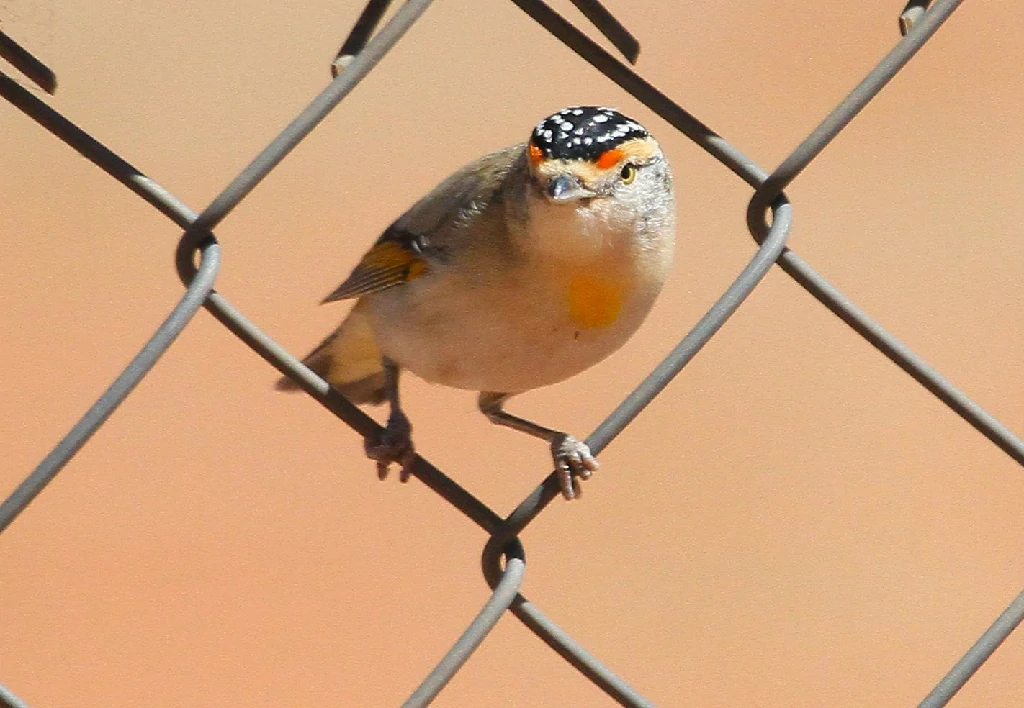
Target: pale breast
<point>534,326</point>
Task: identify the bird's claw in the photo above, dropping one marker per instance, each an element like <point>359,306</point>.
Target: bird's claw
<point>394,445</point>
<point>573,462</point>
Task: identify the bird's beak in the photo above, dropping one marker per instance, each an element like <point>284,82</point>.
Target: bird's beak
<point>567,187</point>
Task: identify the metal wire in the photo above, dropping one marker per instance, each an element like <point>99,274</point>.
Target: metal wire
<point>161,340</point>
<point>505,591</point>
<point>21,59</point>
<point>105,405</point>
<point>976,655</point>
<point>610,27</point>
<point>769,217</point>
<point>9,700</point>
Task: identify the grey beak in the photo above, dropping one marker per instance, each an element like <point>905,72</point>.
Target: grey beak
<point>564,187</point>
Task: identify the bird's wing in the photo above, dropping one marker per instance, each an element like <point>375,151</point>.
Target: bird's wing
<point>394,259</point>
<point>423,234</point>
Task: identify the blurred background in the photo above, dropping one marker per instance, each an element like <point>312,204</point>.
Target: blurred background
<point>793,522</point>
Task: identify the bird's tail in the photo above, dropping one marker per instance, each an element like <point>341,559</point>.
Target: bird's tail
<point>349,360</point>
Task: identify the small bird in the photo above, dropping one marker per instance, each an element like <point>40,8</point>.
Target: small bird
<point>522,269</point>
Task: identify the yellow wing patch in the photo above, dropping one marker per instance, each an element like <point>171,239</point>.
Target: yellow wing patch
<point>594,302</point>
<point>354,354</point>
<point>385,265</point>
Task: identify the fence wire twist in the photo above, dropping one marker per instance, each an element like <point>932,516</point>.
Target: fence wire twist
<point>769,216</point>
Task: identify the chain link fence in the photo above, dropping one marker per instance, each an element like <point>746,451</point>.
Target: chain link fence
<point>769,218</point>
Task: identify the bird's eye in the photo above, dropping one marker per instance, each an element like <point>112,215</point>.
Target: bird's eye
<point>628,173</point>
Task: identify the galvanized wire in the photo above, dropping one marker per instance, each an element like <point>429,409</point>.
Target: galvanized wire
<point>359,54</point>
<point>194,297</point>
<point>33,69</point>
<point>9,700</point>
<point>505,592</point>
<point>977,655</point>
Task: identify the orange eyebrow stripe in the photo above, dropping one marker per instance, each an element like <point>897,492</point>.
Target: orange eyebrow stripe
<point>609,158</point>
<point>536,154</point>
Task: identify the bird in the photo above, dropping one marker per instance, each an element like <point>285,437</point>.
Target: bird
<point>524,268</point>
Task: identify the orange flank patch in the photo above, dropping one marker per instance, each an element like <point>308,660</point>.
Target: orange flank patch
<point>609,158</point>
<point>536,154</point>
<point>594,301</point>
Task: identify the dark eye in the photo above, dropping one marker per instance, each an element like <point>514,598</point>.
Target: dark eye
<point>628,173</point>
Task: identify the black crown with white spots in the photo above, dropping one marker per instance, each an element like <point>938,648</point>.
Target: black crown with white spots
<point>584,132</point>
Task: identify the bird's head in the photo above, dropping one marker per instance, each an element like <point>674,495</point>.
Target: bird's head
<point>591,152</point>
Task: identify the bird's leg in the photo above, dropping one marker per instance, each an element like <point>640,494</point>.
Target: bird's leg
<point>395,445</point>
<point>572,457</point>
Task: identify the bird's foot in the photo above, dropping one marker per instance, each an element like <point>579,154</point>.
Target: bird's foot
<point>394,445</point>
<point>573,462</point>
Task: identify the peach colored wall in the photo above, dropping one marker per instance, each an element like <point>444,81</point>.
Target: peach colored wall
<point>795,522</point>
